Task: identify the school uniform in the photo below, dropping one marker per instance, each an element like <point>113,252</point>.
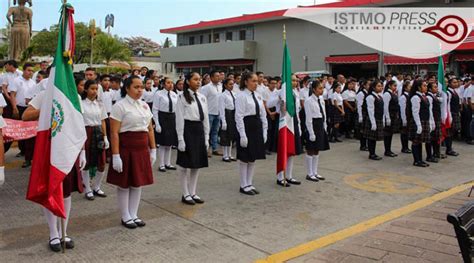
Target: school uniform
<point>350,116</point>
<point>148,96</point>
<point>374,104</point>
<point>316,123</point>
<point>304,95</point>
<point>361,116</point>
<point>404,102</point>
<point>433,148</point>
<point>227,116</point>
<point>94,113</point>
<point>392,120</point>
<point>8,80</point>
<point>212,91</point>
<point>455,107</point>
<point>192,126</point>
<point>336,114</point>
<point>135,117</point>
<point>421,117</point>
<point>466,115</point>
<point>164,114</point>
<point>273,124</point>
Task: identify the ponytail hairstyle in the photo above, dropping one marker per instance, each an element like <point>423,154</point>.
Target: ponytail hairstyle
<point>246,76</point>
<point>431,85</point>
<point>405,85</point>
<point>389,83</point>
<point>362,85</point>
<point>224,84</point>
<point>416,87</point>
<point>87,85</point>
<point>335,85</point>
<point>187,95</point>
<point>314,84</point>
<point>373,85</point>
<point>126,84</point>
<point>349,81</point>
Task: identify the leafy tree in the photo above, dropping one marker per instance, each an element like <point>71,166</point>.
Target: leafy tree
<point>142,45</point>
<point>108,48</point>
<point>167,43</point>
<point>4,51</point>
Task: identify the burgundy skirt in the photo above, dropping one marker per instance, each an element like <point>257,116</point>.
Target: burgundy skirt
<point>99,155</point>
<point>135,154</point>
<point>73,181</point>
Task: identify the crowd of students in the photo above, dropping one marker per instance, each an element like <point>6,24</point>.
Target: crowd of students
<point>128,116</point>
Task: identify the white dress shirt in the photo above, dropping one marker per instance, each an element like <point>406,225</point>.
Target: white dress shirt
<point>262,90</point>
<point>371,108</point>
<point>399,85</point>
<point>134,115</point>
<point>161,103</point>
<point>313,111</point>
<point>304,93</point>
<point>387,97</point>
<point>403,107</point>
<point>106,99</point>
<point>93,112</point>
<point>360,102</point>
<point>148,95</point>
<point>245,106</point>
<point>212,92</point>
<point>226,102</point>
<point>190,112</point>
<point>349,95</point>
<point>22,87</point>
<point>9,77</point>
<point>415,108</point>
<point>338,98</point>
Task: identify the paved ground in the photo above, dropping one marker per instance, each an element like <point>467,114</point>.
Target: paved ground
<point>230,227</point>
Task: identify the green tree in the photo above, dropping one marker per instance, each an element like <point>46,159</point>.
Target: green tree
<point>108,48</point>
<point>4,51</point>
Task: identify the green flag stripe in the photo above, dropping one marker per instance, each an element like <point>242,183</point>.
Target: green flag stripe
<point>64,78</point>
<point>286,79</point>
<point>441,79</point>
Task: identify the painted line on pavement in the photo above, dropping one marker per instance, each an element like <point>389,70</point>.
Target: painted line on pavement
<point>330,239</point>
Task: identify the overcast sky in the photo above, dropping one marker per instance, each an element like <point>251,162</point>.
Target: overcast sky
<point>147,17</point>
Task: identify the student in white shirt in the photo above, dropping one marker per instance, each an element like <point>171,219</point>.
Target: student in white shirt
<point>237,83</point>
<point>350,107</point>
<point>317,135</point>
<point>115,83</point>
<point>391,115</point>
<point>453,101</point>
<point>149,92</point>
<point>375,122</point>
<point>433,148</point>
<point>11,73</point>
<point>192,126</point>
<point>228,131</point>
<point>273,117</point>
<point>466,114</point>
<point>97,142</point>
<point>404,103</point>
<point>337,109</point>
<point>212,91</point>
<point>133,150</point>
<point>164,108</point>
<point>362,113</point>
<point>251,122</point>
<point>303,94</point>
<point>178,87</point>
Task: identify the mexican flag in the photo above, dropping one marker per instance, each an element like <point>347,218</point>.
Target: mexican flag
<point>61,132</point>
<point>286,131</point>
<point>445,115</point>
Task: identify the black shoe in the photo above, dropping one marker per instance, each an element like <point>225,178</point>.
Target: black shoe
<point>55,247</point>
<point>268,153</point>
<point>470,142</point>
<point>139,222</point>
<point>90,196</point>
<point>282,183</point>
<point>332,140</point>
<point>162,169</point>
<point>233,159</point>
<point>26,164</point>
<point>452,153</point>
<point>242,191</point>
<point>69,244</point>
<point>170,167</point>
<point>408,151</point>
<point>364,149</point>
<point>312,179</point>
<point>432,160</point>
<point>293,181</point>
<point>337,140</point>
<point>197,199</point>
<point>375,157</point>
<point>227,160</point>
<point>443,156</point>
<point>255,191</point>
<point>99,193</point>
<point>320,178</point>
<point>186,201</point>
<point>419,164</point>
<point>391,154</point>
<point>425,164</point>
<point>130,224</point>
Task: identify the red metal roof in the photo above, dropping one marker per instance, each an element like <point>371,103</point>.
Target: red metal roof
<point>396,60</point>
<point>353,59</point>
<point>260,17</point>
<point>464,57</point>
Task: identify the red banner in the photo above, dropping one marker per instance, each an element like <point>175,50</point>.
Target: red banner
<point>16,130</point>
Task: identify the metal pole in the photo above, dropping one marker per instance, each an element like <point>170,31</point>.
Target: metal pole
<point>63,236</point>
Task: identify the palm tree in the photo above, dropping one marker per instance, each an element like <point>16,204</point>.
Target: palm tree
<point>108,48</point>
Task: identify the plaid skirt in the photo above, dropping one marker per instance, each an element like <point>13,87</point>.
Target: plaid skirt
<point>336,115</point>
<point>376,135</point>
<point>436,134</point>
<point>455,125</point>
<point>394,126</point>
<point>425,133</point>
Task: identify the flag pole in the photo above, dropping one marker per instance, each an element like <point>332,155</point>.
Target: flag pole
<point>63,231</point>
<point>284,103</point>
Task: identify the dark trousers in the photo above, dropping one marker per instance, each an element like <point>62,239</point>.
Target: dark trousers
<point>466,118</point>
<point>372,145</point>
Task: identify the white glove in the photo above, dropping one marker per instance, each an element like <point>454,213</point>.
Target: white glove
<point>117,163</point>
<point>361,119</point>
<point>106,143</point>
<point>82,160</point>
<point>432,127</point>
<point>264,137</point>
<point>388,123</point>
<point>2,177</point>
<point>157,128</point>
<point>181,146</point>
<point>153,156</point>
<point>244,142</point>
<point>404,123</point>
<point>207,145</point>
<point>312,137</point>
<point>224,126</point>
<point>374,127</point>
<point>419,130</point>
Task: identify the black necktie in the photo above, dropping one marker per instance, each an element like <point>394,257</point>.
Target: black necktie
<point>321,110</point>
<point>201,112</point>
<point>257,107</point>
<point>233,98</point>
<point>170,103</point>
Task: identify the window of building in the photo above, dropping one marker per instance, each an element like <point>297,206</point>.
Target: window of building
<point>209,38</point>
<point>242,34</point>
<point>216,38</point>
<point>228,36</point>
<point>191,40</point>
<point>201,39</point>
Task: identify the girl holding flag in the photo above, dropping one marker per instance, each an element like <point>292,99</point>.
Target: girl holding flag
<point>251,122</point>
<point>317,129</point>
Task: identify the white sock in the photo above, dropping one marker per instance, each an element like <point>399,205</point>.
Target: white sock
<point>194,174</point>
<point>250,172</point>
<point>123,199</point>
<point>2,175</point>
<point>134,201</point>
<point>52,224</point>
<point>183,176</point>
<point>97,181</point>
<point>315,164</point>
<point>161,156</point>
<point>67,208</point>
<point>280,176</point>
<point>168,155</point>
<point>230,150</point>
<point>309,165</point>
<point>289,168</point>
<point>225,152</point>
<point>243,174</point>
<point>86,180</point>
